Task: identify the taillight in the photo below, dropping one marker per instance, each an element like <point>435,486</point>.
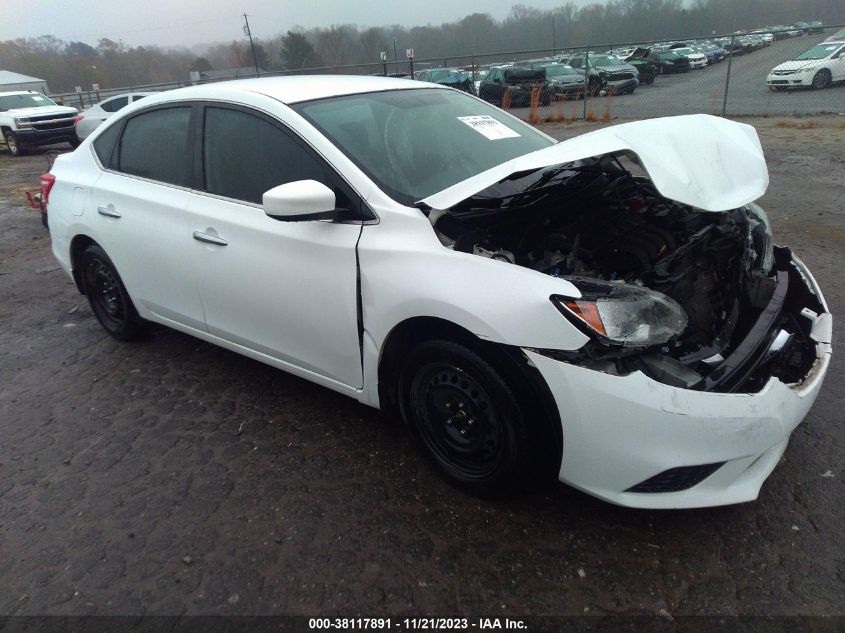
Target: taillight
<point>47,182</point>
<point>79,118</point>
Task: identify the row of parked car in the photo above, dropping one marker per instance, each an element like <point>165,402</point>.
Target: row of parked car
<point>572,74</point>
<point>622,69</point>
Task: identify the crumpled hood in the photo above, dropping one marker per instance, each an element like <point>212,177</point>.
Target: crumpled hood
<point>704,161</point>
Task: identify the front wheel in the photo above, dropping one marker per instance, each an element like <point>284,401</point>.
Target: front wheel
<point>15,148</point>
<point>822,79</point>
<point>466,418</point>
<point>108,297</point>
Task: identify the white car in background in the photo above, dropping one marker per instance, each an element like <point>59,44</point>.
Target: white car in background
<point>696,59</point>
<point>817,67</point>
<point>93,117</point>
<point>609,311</point>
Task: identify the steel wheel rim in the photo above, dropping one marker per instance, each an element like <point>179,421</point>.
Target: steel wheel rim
<point>12,143</point>
<point>104,291</point>
<point>457,420</point>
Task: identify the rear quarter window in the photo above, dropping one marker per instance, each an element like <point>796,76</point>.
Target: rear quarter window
<point>104,144</point>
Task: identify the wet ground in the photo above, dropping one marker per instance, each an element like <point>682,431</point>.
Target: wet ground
<point>172,477</point>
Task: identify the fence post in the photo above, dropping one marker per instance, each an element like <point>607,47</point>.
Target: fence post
<point>728,75</point>
<point>586,80</point>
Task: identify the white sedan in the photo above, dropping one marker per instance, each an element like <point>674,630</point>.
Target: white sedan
<point>91,118</point>
<point>609,311</point>
<point>817,67</point>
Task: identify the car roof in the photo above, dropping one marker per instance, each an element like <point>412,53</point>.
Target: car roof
<point>300,88</point>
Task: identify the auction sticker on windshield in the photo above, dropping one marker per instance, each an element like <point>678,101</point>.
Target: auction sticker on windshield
<point>488,126</point>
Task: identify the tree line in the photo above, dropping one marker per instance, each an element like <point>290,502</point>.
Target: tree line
<point>112,64</point>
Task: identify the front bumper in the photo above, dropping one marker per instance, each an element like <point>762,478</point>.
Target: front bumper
<point>36,138</point>
<point>621,431</point>
<point>795,80</point>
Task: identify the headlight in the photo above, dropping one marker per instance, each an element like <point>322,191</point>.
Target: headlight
<point>623,314</point>
<point>761,237</point>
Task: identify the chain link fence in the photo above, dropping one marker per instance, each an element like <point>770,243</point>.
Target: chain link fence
<point>733,85</point>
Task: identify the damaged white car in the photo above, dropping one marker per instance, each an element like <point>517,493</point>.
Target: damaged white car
<point>609,311</point>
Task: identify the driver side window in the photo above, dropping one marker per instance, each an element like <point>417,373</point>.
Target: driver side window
<point>245,155</point>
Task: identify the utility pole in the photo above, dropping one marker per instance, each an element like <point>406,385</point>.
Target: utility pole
<point>554,37</point>
<point>248,33</point>
<point>395,58</point>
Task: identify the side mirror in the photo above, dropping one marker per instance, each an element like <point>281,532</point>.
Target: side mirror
<point>301,201</point>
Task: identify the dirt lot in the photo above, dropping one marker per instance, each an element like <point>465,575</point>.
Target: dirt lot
<point>173,477</point>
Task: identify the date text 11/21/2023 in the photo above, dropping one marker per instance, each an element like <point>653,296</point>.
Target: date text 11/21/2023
<point>416,624</point>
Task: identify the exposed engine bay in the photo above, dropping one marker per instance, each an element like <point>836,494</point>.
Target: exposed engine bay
<point>595,221</point>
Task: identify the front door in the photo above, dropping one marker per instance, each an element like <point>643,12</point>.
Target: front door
<point>287,290</point>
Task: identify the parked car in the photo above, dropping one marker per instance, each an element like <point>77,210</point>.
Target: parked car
<point>714,53</point>
<point>31,119</point>
<point>672,62</point>
<point>519,82</point>
<point>529,308</point>
<point>817,67</point>
<point>91,118</point>
<point>696,59</point>
<point>814,27</point>
<point>839,36</point>
<point>567,81</point>
<point>480,74</point>
<point>619,77</point>
<point>647,63</point>
<point>449,77</point>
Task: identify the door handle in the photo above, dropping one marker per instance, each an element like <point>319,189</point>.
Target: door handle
<point>108,211</point>
<point>199,236</point>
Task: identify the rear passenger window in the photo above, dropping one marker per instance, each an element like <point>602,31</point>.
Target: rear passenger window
<point>245,155</point>
<point>115,104</point>
<point>154,145</point>
<point>104,144</point>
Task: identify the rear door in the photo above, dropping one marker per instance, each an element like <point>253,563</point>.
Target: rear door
<point>287,290</point>
<point>138,209</point>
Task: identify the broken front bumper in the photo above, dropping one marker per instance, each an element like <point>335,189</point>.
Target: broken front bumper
<point>634,441</point>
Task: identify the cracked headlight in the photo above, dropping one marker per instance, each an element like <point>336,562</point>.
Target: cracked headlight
<point>761,237</point>
<point>622,314</point>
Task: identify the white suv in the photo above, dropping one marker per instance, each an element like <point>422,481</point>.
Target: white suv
<point>533,310</point>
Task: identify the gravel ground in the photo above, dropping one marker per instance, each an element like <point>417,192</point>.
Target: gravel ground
<point>173,477</point>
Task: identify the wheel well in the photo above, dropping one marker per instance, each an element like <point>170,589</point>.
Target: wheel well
<point>507,359</point>
<point>77,247</point>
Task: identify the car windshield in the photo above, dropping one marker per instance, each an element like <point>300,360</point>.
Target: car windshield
<point>818,52</point>
<point>604,60</point>
<point>684,51</point>
<point>557,70</point>
<point>27,100</point>
<point>414,143</point>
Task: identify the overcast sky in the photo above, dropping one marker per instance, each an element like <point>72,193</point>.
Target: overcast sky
<point>188,22</point>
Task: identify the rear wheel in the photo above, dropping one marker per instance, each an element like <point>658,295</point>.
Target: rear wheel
<point>822,79</point>
<point>108,297</point>
<point>466,417</point>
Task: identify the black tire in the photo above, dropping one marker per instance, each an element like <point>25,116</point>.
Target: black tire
<point>108,297</point>
<point>75,142</point>
<point>822,79</point>
<point>649,79</point>
<point>467,418</point>
<point>44,220</point>
<point>15,148</point>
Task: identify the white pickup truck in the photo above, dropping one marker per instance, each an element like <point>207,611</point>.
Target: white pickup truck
<point>30,119</point>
